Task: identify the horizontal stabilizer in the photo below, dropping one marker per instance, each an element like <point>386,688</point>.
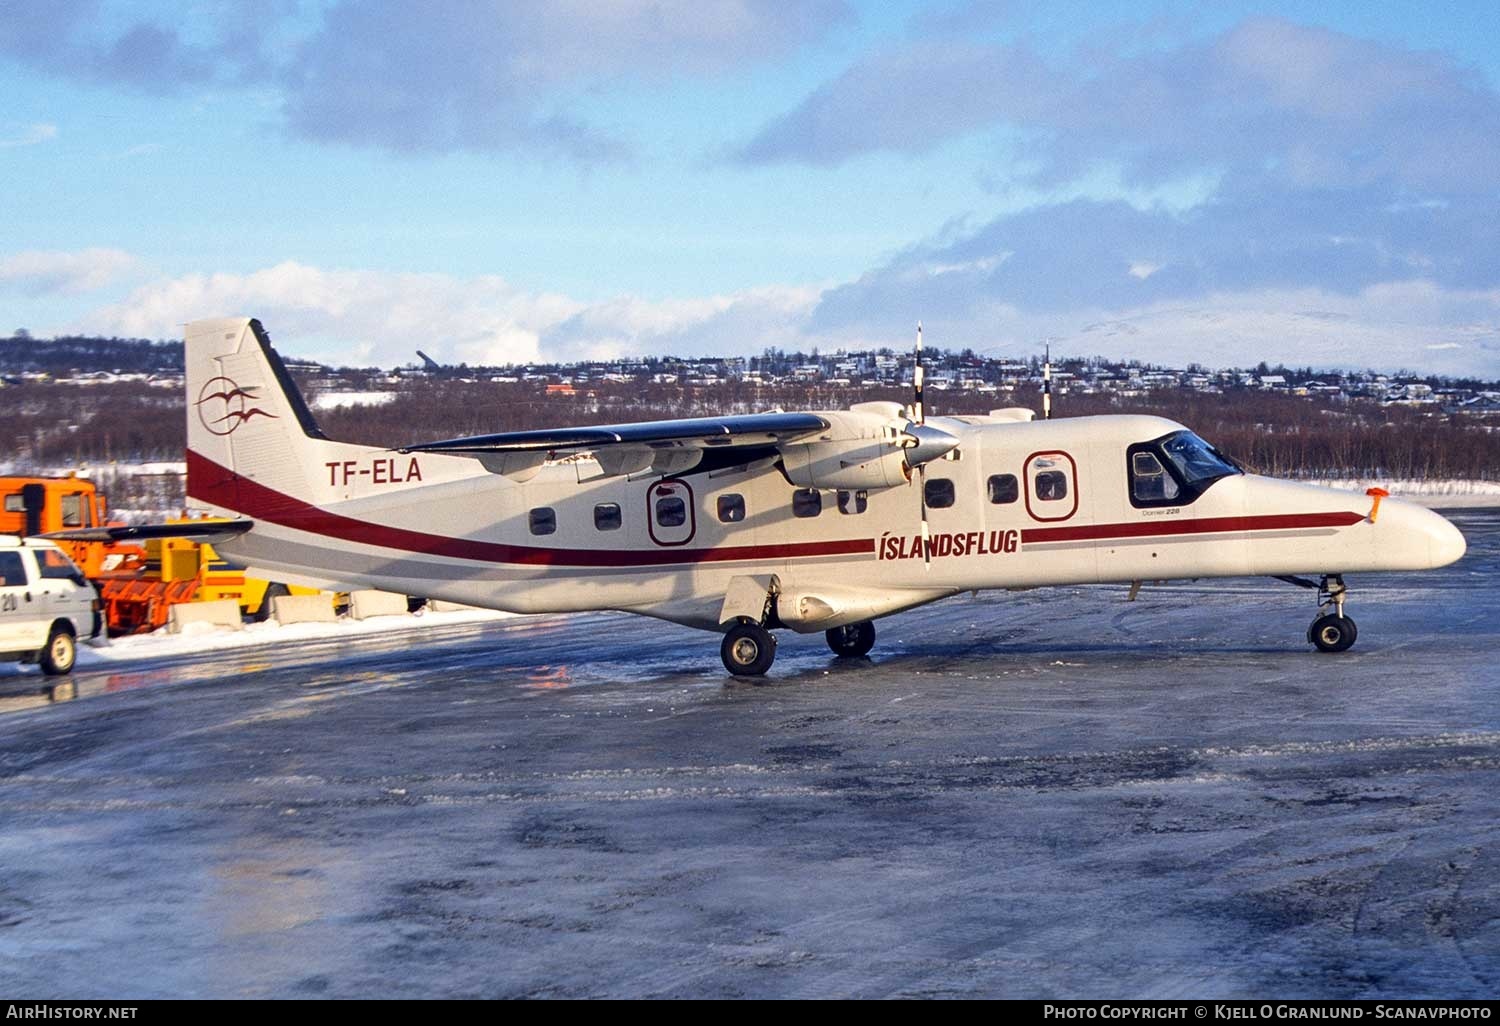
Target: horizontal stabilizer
<point>198,531</point>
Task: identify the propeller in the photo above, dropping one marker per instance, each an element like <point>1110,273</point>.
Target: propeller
<point>922,444</point>
<point>919,418</point>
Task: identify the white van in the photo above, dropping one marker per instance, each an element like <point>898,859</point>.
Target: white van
<point>46,604</point>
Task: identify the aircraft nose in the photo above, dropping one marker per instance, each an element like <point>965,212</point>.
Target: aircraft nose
<point>1446,542</point>
<point>1417,537</point>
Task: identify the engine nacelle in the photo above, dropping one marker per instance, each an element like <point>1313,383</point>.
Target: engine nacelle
<point>810,608</point>
<point>852,465</point>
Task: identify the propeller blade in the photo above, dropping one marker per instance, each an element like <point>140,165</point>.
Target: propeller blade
<point>922,444</point>
<point>922,502</point>
<point>918,413</point>
<point>1047,384</point>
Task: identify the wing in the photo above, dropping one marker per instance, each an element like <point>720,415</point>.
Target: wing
<point>662,446</point>
<point>747,429</point>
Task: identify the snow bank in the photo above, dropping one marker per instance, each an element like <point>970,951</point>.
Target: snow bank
<point>201,638</point>
<point>1426,492</point>
<point>333,400</point>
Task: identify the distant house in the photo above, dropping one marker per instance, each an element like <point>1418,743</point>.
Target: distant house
<point>1483,405</point>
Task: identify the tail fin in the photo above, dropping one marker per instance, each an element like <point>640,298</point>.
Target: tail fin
<point>246,420</point>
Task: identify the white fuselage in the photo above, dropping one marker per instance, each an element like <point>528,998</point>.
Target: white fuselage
<point>445,527</point>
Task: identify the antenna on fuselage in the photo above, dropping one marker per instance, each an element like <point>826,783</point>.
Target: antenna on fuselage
<point>1047,383</point>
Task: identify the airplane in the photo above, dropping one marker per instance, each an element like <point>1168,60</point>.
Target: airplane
<point>741,525</point>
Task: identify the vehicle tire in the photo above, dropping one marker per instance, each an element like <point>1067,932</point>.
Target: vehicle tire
<point>60,653</point>
<point>852,640</point>
<point>272,591</point>
<point>748,650</point>
<point>1332,633</point>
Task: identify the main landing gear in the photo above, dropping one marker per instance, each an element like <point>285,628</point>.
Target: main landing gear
<point>1332,631</point>
<point>749,649</point>
<point>852,640</point>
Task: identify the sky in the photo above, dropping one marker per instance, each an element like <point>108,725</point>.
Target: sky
<point>500,181</point>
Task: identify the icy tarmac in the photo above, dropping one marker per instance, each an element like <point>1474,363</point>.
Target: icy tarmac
<point>1055,793</point>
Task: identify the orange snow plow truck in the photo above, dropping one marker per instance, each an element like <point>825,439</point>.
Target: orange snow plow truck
<point>138,583</point>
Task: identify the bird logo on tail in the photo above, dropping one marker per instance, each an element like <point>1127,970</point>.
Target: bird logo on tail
<point>223,406</point>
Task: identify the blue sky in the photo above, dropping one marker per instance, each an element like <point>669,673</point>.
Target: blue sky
<point>496,181</point>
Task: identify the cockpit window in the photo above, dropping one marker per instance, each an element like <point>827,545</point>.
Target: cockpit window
<point>1149,480</point>
<point>1196,461</point>
<point>1174,470</point>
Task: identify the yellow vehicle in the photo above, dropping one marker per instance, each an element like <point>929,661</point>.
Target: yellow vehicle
<point>177,559</point>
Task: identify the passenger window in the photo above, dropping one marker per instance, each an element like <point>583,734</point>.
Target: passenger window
<point>543,520</point>
<point>1149,480</point>
<point>671,512</point>
<point>12,570</point>
<point>1004,489</point>
<point>807,503</point>
<point>607,517</point>
<point>938,492</point>
<point>731,508</point>
<point>1051,485</point>
<point>854,502</point>
<point>15,503</point>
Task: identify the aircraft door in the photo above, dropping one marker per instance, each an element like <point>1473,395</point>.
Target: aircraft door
<point>670,514</point>
<point>1051,486</point>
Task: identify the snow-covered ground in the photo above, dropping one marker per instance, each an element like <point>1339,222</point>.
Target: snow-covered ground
<point>333,400</point>
<point>202,638</point>
<point>96,471</point>
<point>1436,492</point>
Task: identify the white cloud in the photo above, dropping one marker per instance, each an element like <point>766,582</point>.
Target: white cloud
<point>1411,324</point>
<point>355,316</point>
<point>375,317</point>
<point>45,272</point>
<point>28,135</point>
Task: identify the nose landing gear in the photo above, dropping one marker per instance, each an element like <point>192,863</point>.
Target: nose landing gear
<point>1332,631</point>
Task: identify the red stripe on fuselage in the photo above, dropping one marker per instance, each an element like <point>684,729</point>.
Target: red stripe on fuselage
<point>1205,525</point>
<point>223,487</point>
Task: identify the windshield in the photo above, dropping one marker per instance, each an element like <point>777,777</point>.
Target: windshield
<point>1196,461</point>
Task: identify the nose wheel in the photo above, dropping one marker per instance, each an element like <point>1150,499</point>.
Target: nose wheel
<point>1332,631</point>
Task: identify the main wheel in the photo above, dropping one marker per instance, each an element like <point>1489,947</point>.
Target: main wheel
<point>748,650</point>
<point>1332,633</point>
<point>852,640</point>
<point>60,653</point>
